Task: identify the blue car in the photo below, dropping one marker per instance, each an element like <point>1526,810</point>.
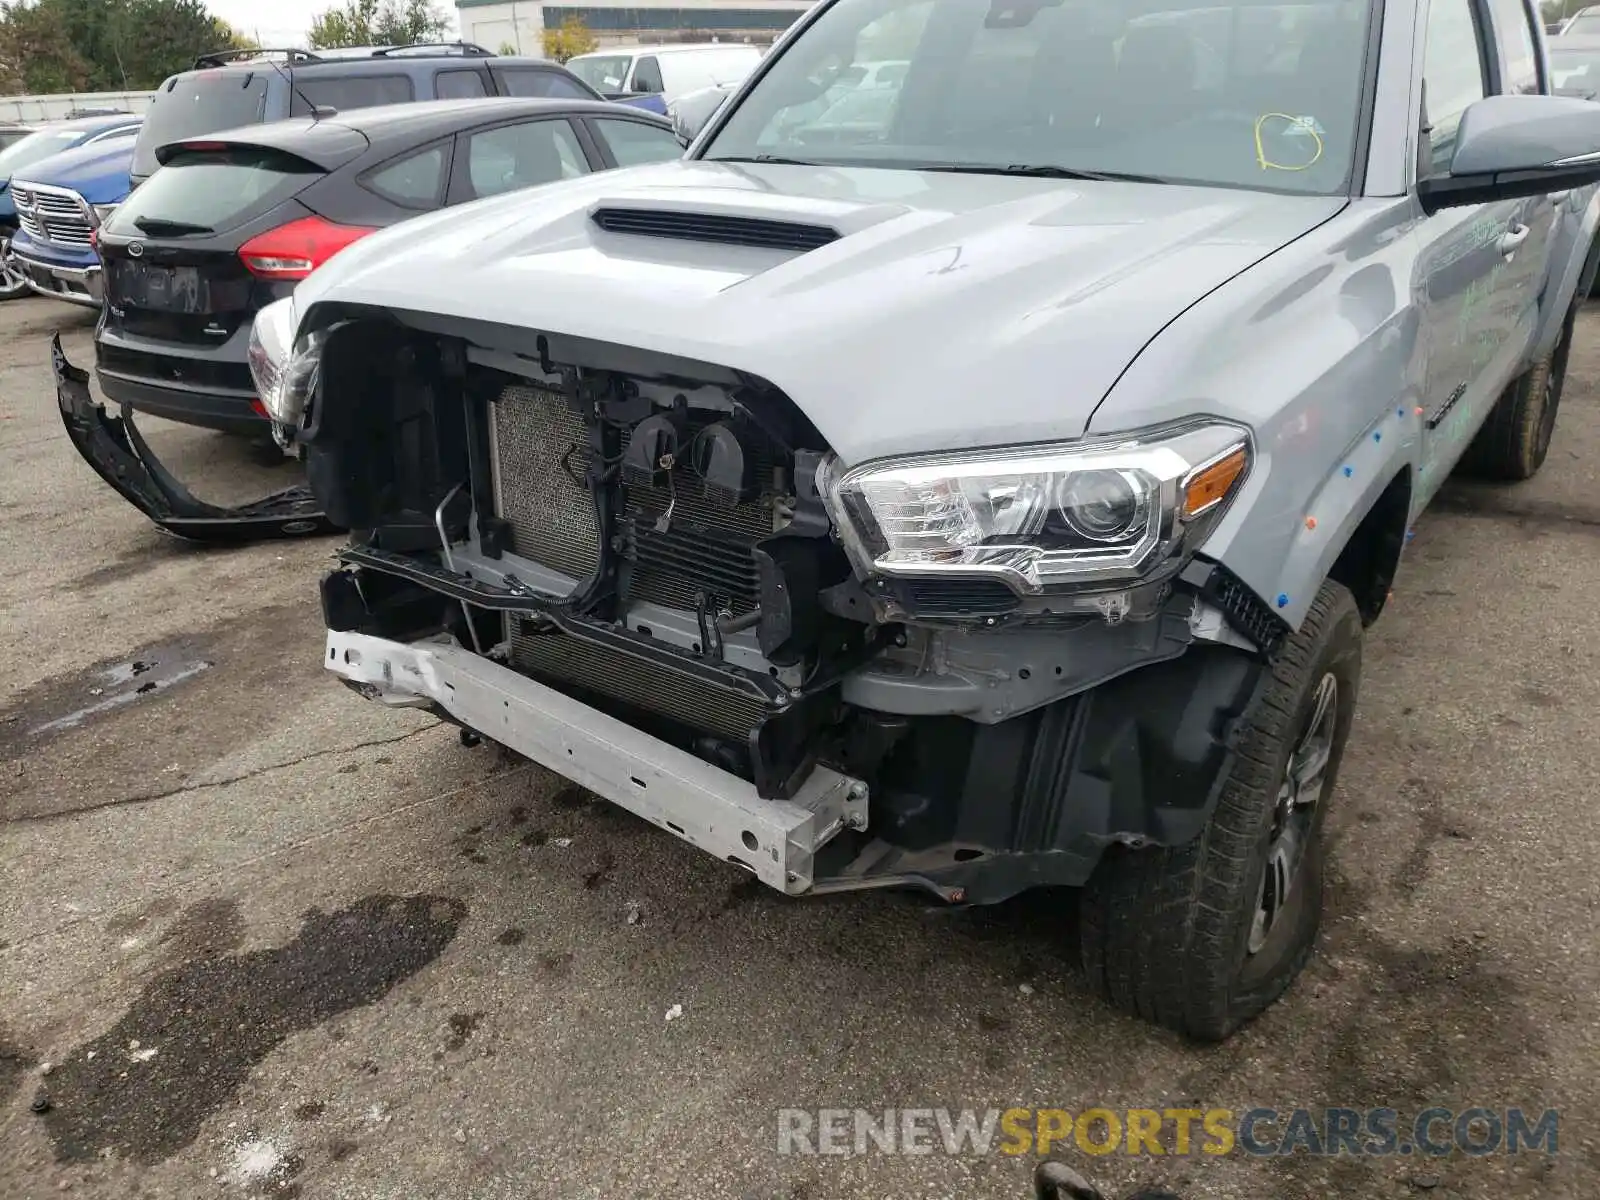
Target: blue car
<point>32,150</point>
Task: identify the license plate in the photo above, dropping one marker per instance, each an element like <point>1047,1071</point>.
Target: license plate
<point>167,289</point>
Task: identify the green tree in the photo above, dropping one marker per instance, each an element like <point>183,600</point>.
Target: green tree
<point>570,40</point>
<point>378,23</point>
<point>103,45</point>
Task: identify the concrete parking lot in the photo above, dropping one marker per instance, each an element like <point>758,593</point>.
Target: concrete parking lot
<point>259,938</point>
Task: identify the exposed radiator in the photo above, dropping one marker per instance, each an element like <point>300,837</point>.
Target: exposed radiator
<point>550,513</point>
<point>540,452</point>
<point>706,545</point>
<point>637,681</point>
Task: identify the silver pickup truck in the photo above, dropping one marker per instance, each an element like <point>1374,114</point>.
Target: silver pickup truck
<point>977,485</point>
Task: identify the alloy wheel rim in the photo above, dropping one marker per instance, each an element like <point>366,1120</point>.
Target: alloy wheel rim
<point>1304,778</point>
<point>10,276</point>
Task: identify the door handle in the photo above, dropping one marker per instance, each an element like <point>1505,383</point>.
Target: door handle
<point>1512,238</point>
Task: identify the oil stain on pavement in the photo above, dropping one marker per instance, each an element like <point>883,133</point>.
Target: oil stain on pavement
<point>143,1089</point>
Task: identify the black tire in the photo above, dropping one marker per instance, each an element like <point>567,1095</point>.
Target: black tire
<point>1515,439</point>
<point>1165,932</point>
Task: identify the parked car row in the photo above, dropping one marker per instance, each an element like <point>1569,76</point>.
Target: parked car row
<point>233,221</point>
<point>248,172</point>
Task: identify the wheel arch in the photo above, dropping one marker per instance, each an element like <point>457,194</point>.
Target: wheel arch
<point>1369,559</point>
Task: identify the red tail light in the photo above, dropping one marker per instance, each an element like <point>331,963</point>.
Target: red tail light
<point>295,250</point>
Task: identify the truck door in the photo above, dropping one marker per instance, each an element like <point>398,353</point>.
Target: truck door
<point>1479,266</point>
<point>1522,74</point>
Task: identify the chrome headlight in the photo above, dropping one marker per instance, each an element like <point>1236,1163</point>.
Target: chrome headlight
<point>285,371</point>
<point>104,213</point>
<point>1039,518</point>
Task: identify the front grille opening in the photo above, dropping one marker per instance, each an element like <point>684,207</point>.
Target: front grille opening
<point>958,597</point>
<point>716,227</point>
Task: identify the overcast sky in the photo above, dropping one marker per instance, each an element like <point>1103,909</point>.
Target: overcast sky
<point>278,22</point>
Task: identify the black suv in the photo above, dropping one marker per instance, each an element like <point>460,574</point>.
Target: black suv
<point>232,88</point>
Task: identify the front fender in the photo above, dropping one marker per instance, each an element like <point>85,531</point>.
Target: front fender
<point>1318,351</point>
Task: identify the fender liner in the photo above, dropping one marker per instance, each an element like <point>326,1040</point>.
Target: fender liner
<point>119,454</point>
<point>978,814</point>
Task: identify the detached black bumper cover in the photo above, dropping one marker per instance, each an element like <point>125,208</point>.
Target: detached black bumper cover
<point>114,447</point>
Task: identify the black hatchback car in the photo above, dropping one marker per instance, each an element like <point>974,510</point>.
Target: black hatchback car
<point>232,221</point>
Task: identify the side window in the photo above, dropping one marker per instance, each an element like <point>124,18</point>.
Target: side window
<point>415,181</point>
<point>647,75</point>
<point>458,85</point>
<point>356,91</point>
<point>532,83</point>
<point>634,143</point>
<point>562,88</point>
<point>526,155</point>
<point>1522,60</point>
<point>1452,75</point>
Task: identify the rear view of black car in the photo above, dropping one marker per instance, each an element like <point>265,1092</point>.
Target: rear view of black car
<point>234,220</point>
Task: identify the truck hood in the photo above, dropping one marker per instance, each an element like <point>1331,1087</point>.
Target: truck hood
<point>97,172</point>
<point>950,311</point>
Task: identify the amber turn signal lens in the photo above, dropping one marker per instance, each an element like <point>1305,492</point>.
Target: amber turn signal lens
<point>1211,484</point>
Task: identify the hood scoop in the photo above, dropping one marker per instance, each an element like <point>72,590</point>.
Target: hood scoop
<point>765,233</point>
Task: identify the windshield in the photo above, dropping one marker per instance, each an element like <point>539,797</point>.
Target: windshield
<point>37,147</point>
<point>602,72</point>
<point>1587,24</point>
<point>205,102</point>
<point>1575,70</point>
<point>1245,94</point>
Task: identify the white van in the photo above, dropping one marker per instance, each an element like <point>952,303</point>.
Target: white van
<point>667,71</point>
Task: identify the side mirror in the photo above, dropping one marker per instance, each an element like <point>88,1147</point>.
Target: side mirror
<point>1508,147</point>
<point>692,113</point>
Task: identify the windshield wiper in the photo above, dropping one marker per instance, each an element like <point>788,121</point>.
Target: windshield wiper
<point>771,159</point>
<point>1040,171</point>
<point>156,227</point>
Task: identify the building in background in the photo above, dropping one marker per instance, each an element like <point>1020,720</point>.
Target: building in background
<point>520,24</point>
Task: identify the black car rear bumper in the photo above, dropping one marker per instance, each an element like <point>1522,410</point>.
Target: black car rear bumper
<point>114,447</point>
<point>207,407</point>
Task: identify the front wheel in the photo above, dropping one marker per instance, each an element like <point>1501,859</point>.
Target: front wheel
<point>12,283</point>
<point>1205,936</point>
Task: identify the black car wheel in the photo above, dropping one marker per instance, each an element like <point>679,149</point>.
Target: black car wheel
<point>1203,937</point>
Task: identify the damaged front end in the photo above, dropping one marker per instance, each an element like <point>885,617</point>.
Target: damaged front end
<point>114,447</point>
<point>631,569</point>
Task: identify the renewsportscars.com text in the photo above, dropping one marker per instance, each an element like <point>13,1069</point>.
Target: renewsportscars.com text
<point>1434,1132</point>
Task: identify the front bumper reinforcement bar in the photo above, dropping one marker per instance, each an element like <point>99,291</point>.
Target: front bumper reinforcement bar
<point>117,451</point>
<point>776,840</point>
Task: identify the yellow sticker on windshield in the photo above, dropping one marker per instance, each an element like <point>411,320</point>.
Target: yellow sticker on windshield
<point>1297,129</point>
